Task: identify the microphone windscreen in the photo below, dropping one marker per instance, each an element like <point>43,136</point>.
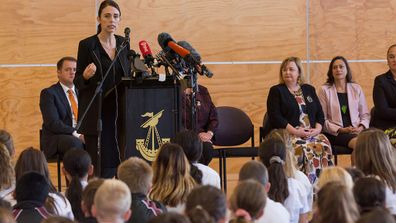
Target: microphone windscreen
<point>188,47</point>
<point>164,39</point>
<point>144,48</point>
<point>127,31</point>
<point>178,49</point>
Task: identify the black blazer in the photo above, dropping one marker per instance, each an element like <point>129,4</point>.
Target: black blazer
<point>57,117</point>
<point>282,107</point>
<point>88,52</point>
<point>384,96</point>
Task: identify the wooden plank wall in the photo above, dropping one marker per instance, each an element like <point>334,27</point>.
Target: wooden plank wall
<point>39,32</point>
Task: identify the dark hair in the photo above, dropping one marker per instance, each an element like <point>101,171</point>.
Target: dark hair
<point>330,77</point>
<point>32,186</point>
<point>254,170</point>
<point>32,159</point>
<point>103,5</point>
<point>206,204</point>
<point>59,64</point>
<point>272,153</point>
<point>88,194</point>
<point>355,173</point>
<point>6,139</point>
<point>192,147</point>
<point>77,163</point>
<point>377,215</point>
<point>170,217</point>
<point>369,193</point>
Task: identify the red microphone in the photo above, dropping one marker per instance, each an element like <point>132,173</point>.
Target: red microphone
<point>146,52</point>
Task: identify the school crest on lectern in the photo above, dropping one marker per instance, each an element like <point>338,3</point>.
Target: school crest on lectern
<point>149,147</point>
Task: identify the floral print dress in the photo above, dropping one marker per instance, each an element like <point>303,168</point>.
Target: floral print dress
<point>313,153</point>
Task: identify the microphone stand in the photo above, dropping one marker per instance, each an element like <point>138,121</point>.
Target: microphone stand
<point>99,93</point>
<point>193,99</point>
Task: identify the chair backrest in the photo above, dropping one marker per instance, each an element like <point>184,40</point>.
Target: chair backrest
<point>372,117</point>
<point>235,127</point>
<point>266,128</point>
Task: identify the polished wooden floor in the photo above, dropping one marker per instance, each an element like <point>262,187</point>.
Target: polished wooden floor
<point>233,166</point>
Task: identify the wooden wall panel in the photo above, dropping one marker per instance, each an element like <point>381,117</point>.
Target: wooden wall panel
<point>19,102</point>
<point>222,30</point>
<point>354,29</point>
<point>42,31</point>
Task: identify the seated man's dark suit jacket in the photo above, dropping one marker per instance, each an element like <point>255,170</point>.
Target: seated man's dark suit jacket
<point>57,121</point>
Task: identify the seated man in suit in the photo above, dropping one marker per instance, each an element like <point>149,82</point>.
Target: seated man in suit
<point>59,107</point>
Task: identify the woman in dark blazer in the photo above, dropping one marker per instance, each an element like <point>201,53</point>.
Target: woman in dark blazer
<point>384,95</point>
<point>294,106</point>
<point>95,54</point>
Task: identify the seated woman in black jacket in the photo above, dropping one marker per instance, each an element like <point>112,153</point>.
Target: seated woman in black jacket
<point>294,106</point>
<point>384,92</point>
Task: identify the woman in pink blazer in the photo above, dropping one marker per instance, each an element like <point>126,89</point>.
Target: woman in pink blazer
<point>344,105</point>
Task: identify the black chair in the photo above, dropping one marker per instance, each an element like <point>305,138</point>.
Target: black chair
<point>265,129</point>
<point>55,159</point>
<point>235,128</point>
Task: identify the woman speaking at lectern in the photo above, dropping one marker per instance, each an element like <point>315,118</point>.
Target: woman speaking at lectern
<point>95,54</point>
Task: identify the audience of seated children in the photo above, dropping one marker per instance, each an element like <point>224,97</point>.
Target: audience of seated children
<point>87,201</point>
<point>172,181</point>
<point>291,164</point>
<point>192,146</point>
<point>206,204</point>
<point>247,202</point>
<point>275,212</point>
<point>375,155</point>
<point>76,167</point>
<point>335,174</point>
<point>138,175</point>
<point>7,176</point>
<point>112,202</point>
<point>369,194</point>
<point>288,191</point>
<point>34,160</point>
<point>31,191</point>
<point>335,203</point>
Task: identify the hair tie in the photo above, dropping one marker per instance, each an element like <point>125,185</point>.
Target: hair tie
<point>276,159</point>
<point>199,207</point>
<point>242,213</point>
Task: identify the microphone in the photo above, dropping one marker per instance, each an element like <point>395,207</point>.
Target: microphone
<point>146,52</point>
<point>127,32</point>
<point>194,58</point>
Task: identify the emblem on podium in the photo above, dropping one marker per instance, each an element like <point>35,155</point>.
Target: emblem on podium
<point>149,147</point>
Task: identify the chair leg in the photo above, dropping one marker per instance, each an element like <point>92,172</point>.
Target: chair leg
<point>221,168</point>
<point>335,159</point>
<point>225,173</point>
<point>59,173</point>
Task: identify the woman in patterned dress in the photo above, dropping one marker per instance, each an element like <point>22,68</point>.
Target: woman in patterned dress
<point>294,106</point>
